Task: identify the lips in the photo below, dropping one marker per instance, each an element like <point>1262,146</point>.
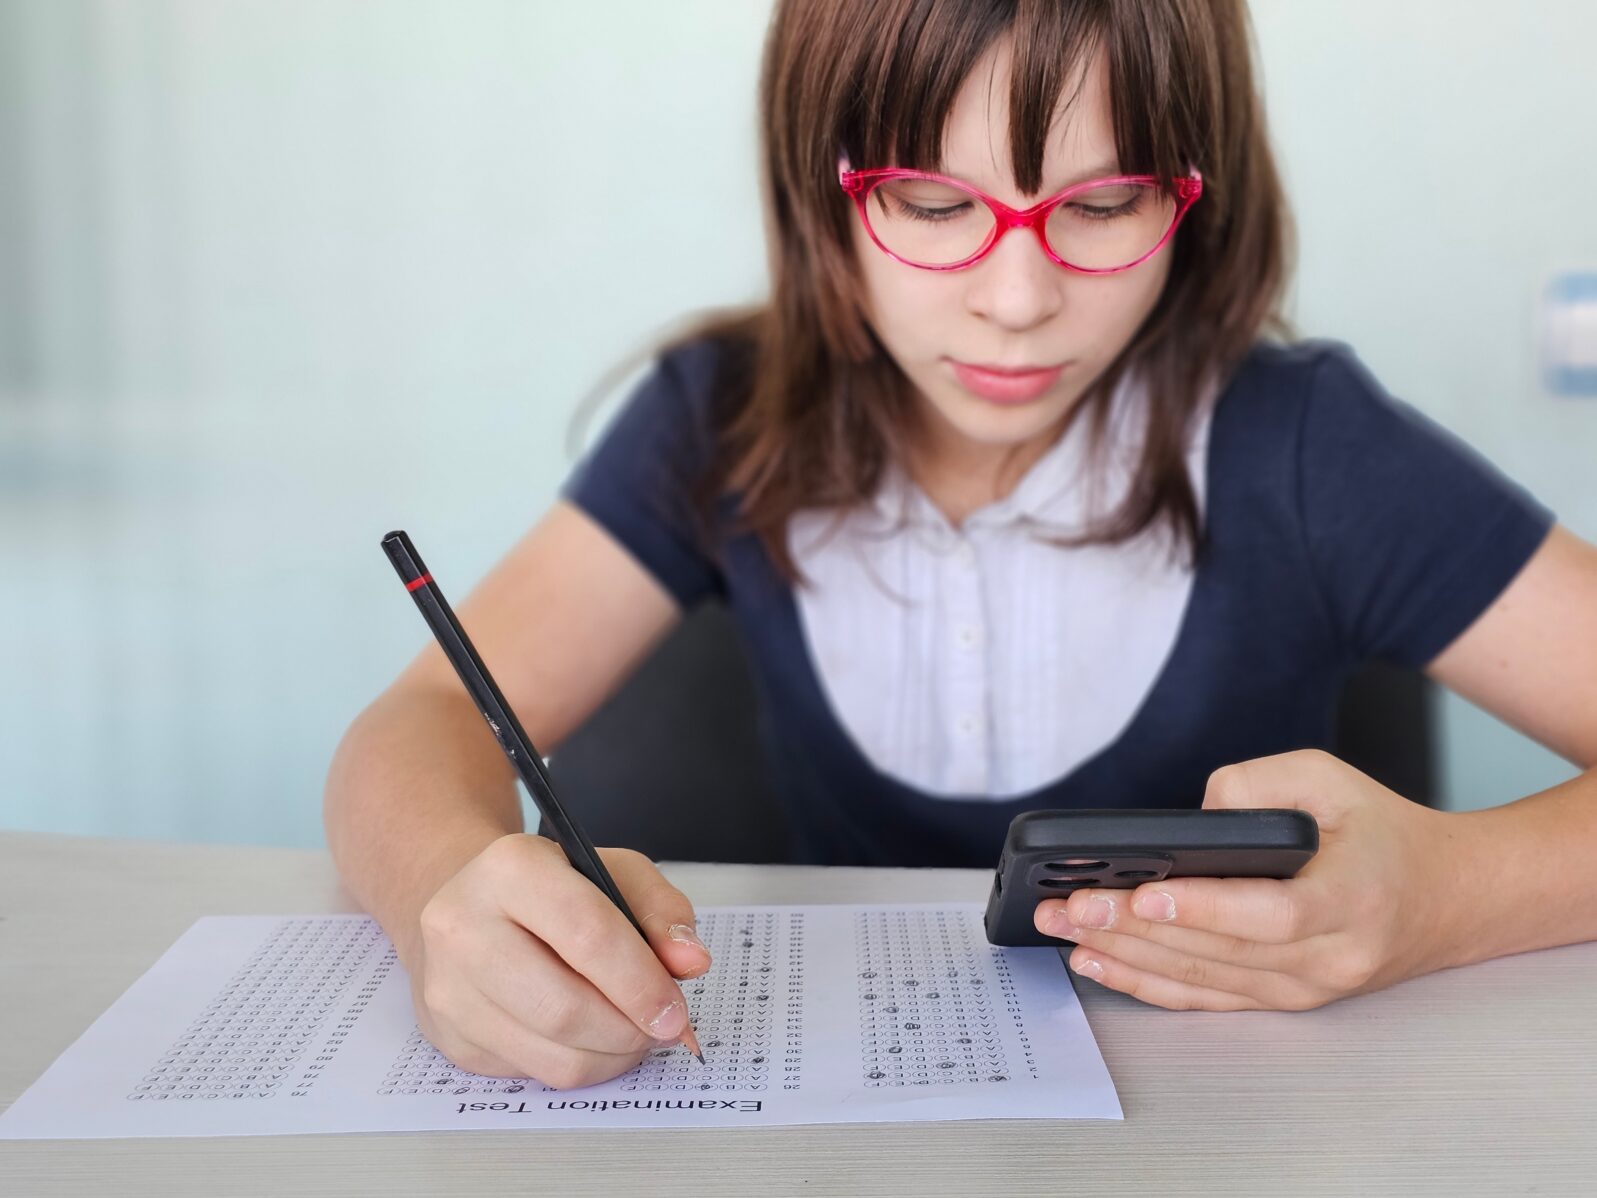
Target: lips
<point>1006,385</point>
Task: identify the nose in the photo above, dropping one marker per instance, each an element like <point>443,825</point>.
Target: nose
<point>1015,286</point>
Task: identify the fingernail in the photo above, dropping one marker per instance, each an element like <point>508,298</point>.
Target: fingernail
<point>1155,905</point>
<point>668,1024</point>
<point>685,933</point>
<point>1089,968</point>
<point>1098,913</point>
<point>1059,925</point>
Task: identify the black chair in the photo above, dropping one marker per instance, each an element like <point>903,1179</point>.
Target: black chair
<point>713,803</point>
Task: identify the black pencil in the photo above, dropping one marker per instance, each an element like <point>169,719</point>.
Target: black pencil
<point>507,730</point>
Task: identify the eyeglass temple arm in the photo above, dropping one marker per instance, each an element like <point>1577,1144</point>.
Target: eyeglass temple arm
<point>845,177</point>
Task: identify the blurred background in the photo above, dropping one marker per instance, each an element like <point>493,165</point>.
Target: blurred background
<point>277,276</point>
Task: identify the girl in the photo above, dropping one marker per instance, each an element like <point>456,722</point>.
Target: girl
<point>1016,506</point>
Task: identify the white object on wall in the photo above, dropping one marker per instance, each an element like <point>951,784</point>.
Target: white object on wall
<point>1569,334</point>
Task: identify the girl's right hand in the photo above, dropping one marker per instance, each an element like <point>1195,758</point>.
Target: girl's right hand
<point>525,969</point>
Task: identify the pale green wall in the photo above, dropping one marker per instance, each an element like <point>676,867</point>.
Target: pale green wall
<point>1441,159</point>
<point>279,275</point>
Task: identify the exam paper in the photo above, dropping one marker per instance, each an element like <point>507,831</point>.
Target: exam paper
<point>263,1025</point>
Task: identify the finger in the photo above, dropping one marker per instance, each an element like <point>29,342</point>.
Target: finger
<point>1305,779</point>
<point>1152,988</point>
<point>525,977</point>
<point>588,932</point>
<point>1264,910</point>
<point>1276,989</point>
<point>531,1055</point>
<point>1267,910</point>
<point>1053,918</point>
<point>663,910</point>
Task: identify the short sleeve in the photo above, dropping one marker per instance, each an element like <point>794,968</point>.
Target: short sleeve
<point>1411,532</point>
<point>639,480</point>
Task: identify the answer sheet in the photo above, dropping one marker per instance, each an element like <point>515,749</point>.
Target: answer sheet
<point>270,1025</point>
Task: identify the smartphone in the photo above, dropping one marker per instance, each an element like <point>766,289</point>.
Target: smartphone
<point>1049,854</point>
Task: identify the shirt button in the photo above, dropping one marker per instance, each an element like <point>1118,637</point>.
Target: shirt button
<point>965,555</point>
<point>968,635</point>
<point>967,725</point>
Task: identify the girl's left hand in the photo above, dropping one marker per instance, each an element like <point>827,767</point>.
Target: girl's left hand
<point>1369,909</point>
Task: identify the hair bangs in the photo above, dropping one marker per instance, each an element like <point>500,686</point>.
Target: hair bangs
<point>910,69</point>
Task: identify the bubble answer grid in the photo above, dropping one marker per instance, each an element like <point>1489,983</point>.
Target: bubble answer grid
<point>248,1040</point>
<point>932,1025</point>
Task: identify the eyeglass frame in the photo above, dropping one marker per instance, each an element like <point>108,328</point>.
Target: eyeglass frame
<point>859,185</point>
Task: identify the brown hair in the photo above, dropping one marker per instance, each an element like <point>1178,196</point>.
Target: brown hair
<point>814,404</point>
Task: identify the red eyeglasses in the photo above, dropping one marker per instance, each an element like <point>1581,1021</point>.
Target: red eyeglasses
<point>1098,227</point>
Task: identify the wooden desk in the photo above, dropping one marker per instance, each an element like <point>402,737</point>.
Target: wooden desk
<point>1474,1081</point>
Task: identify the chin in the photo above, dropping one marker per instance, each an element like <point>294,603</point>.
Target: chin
<point>998,425</point>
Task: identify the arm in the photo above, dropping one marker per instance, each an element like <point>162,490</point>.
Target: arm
<point>1397,890</point>
<point>1424,554</point>
<point>518,965</point>
<point>1531,660</point>
<point>418,786</point>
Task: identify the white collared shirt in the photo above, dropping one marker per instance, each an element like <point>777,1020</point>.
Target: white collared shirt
<point>982,661</point>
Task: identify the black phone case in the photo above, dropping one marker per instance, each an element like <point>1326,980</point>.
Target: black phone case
<point>1050,854</point>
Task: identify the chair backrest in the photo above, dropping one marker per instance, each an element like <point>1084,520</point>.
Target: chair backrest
<point>684,780</point>
<point>681,779</point>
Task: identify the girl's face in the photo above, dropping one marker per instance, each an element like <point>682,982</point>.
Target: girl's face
<point>1015,308</point>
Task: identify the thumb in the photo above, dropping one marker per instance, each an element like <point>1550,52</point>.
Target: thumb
<point>1305,779</point>
<point>662,909</point>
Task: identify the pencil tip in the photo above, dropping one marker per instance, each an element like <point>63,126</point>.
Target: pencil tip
<point>690,1041</point>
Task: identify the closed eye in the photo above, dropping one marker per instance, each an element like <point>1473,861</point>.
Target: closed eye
<point>902,208</point>
<point>1105,212</point>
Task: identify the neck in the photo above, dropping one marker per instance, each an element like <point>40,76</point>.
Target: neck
<point>961,476</point>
